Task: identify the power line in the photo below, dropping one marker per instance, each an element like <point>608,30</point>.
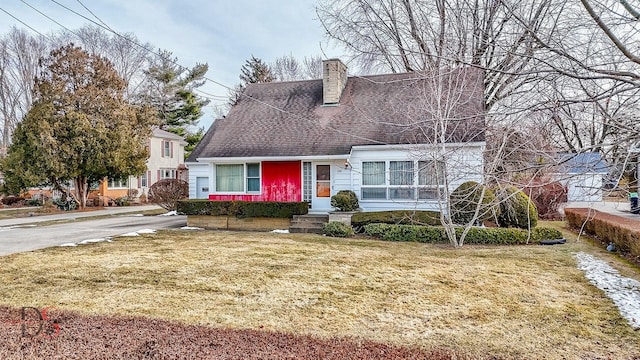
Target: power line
<point>94,15</point>
<point>23,23</point>
<point>185,68</point>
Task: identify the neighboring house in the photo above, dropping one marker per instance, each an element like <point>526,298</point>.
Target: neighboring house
<point>306,140</point>
<point>166,161</point>
<point>583,175</point>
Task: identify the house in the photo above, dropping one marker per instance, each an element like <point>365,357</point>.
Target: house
<point>389,138</point>
<point>166,161</point>
<point>583,175</point>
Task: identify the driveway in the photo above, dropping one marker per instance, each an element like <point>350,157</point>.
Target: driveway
<point>17,235</point>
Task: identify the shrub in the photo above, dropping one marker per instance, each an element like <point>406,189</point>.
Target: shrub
<point>337,229</point>
<point>466,198</point>
<point>605,227</point>
<point>12,200</point>
<point>476,235</point>
<point>516,209</point>
<point>242,209</point>
<point>345,200</point>
<point>132,193</point>
<point>167,192</point>
<point>123,201</point>
<point>547,196</point>
<point>34,202</point>
<point>66,204</point>
<point>358,220</point>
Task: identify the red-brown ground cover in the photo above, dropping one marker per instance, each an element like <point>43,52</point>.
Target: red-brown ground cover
<point>69,335</point>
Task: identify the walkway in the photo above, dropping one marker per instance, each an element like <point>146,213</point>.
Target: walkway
<point>621,209</point>
<point>77,215</point>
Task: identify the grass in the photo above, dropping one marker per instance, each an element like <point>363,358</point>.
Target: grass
<point>514,302</point>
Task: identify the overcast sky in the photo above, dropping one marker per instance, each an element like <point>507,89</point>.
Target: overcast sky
<point>222,33</point>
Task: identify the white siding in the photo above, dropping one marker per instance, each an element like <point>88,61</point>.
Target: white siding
<point>583,187</point>
<point>198,170</point>
<point>463,163</point>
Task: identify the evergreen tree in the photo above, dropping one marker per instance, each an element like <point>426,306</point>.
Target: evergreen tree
<point>171,91</point>
<point>253,71</point>
<point>80,128</point>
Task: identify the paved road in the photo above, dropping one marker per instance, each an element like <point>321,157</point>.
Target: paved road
<point>20,238</point>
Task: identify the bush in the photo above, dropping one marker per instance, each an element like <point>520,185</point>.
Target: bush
<point>242,209</point>
<point>605,227</point>
<point>358,220</point>
<point>516,209</point>
<point>66,204</point>
<point>167,192</point>
<point>337,229</point>
<point>547,196</point>
<point>34,202</point>
<point>123,201</point>
<point>466,198</point>
<point>476,235</point>
<point>12,200</point>
<point>345,200</point>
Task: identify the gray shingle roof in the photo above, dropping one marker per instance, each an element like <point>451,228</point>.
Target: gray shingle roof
<point>288,118</point>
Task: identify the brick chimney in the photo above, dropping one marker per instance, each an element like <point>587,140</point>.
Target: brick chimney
<point>334,79</point>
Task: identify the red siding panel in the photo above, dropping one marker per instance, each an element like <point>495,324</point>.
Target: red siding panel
<point>281,181</point>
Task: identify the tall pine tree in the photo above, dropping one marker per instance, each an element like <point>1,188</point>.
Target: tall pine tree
<point>171,91</point>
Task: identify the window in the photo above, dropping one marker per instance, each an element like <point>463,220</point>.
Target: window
<point>253,177</point>
<point>167,174</point>
<point>431,178</point>
<point>229,178</point>
<point>144,182</point>
<point>232,178</point>
<point>373,173</point>
<point>166,148</point>
<point>118,183</point>
<point>401,177</point>
<point>404,180</point>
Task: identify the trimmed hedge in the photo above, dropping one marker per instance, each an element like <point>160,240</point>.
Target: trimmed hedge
<point>516,209</point>
<point>337,229</point>
<point>395,217</point>
<point>626,238</point>
<point>243,209</point>
<point>465,199</point>
<point>436,234</point>
<point>345,200</point>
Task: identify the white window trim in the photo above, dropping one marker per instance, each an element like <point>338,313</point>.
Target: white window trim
<point>388,187</point>
<point>244,183</point>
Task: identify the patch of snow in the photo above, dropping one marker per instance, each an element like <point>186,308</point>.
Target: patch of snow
<point>190,228</point>
<point>136,215</point>
<point>68,244</point>
<point>625,292</point>
<point>170,213</point>
<point>277,231</point>
<point>89,241</point>
<point>146,231</point>
<point>130,234</point>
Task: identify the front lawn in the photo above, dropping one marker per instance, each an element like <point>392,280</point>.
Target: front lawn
<point>511,302</point>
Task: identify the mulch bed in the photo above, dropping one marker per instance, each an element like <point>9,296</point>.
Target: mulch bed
<point>69,335</point>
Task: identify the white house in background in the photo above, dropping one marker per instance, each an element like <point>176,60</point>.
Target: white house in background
<point>166,161</point>
<point>307,140</point>
<point>583,175</point>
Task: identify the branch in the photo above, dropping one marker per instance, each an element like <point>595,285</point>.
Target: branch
<point>609,33</point>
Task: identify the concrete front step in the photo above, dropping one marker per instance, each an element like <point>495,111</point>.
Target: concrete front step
<point>310,223</point>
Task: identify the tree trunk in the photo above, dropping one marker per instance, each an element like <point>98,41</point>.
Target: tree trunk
<point>81,191</point>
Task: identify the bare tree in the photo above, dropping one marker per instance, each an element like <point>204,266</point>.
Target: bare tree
<point>289,68</point>
<point>19,55</point>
